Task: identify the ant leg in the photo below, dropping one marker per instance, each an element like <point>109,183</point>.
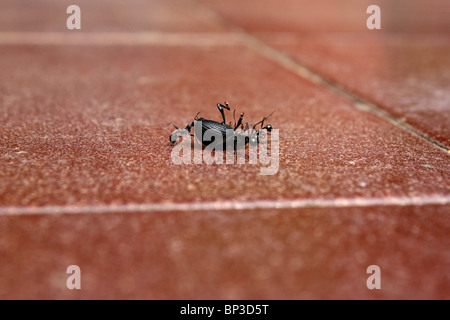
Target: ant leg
<point>265,118</point>
<point>248,127</point>
<point>221,106</point>
<point>262,121</point>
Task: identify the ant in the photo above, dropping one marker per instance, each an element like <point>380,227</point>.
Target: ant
<point>252,136</point>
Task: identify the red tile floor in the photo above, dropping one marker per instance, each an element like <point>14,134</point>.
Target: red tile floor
<point>87,177</point>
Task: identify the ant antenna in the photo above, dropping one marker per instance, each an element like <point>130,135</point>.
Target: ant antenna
<point>175,127</point>
<point>262,121</point>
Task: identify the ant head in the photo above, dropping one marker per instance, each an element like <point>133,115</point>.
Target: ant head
<point>263,132</point>
<point>253,140</point>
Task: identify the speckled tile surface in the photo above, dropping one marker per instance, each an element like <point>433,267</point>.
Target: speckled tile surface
<point>405,75</point>
<point>87,176</point>
<point>102,135</point>
<point>403,68</point>
<point>308,253</point>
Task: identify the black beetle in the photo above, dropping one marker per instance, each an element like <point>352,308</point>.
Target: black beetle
<point>241,137</point>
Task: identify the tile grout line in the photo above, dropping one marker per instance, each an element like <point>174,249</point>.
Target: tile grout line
<point>272,54</point>
<point>238,37</point>
<point>143,38</point>
<point>225,205</point>
<point>288,63</point>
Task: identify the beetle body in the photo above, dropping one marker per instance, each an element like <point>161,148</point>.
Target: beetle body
<point>210,129</point>
<point>216,128</point>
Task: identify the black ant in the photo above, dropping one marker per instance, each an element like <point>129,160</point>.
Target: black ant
<point>252,136</point>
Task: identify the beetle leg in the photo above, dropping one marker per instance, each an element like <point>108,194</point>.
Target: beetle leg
<point>221,106</point>
<point>189,126</point>
<point>239,121</point>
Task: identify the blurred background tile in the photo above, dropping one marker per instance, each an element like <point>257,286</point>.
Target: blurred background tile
<point>106,15</point>
<point>304,16</point>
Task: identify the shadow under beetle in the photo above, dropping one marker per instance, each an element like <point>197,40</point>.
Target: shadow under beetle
<point>241,135</point>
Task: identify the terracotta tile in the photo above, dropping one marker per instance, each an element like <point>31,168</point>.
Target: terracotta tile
<point>91,126</point>
<point>105,15</point>
<point>83,127</point>
<point>266,254</point>
<point>333,16</point>
<point>403,67</point>
<point>404,75</point>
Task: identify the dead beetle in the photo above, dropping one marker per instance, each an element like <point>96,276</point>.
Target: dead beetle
<point>245,134</point>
